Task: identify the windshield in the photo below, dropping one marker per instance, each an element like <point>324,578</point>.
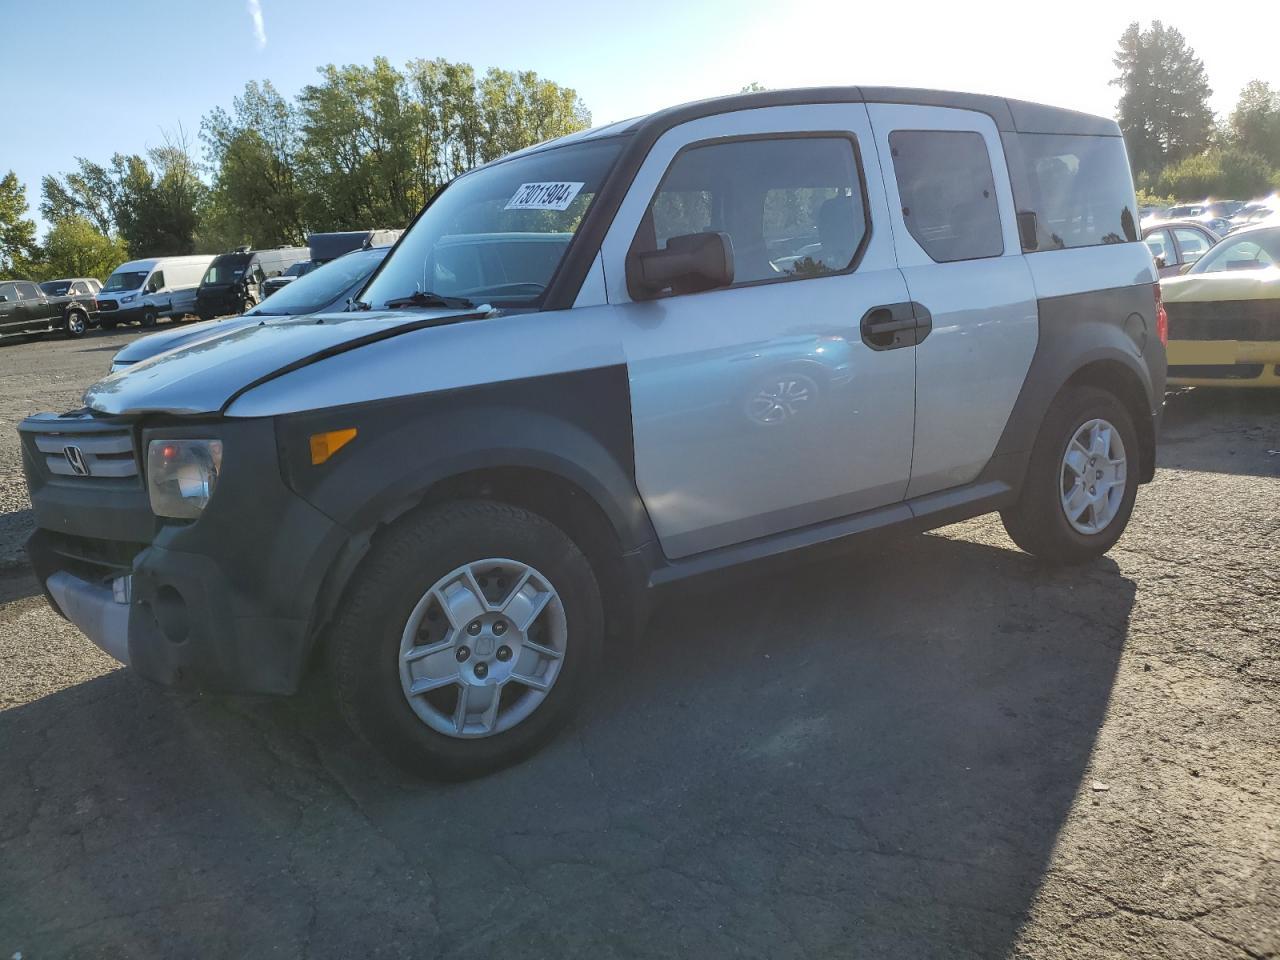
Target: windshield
<point>56,288</point>
<point>1255,250</point>
<point>299,269</point>
<point>498,234</point>
<point>226,269</point>
<point>322,285</point>
<point>125,280</point>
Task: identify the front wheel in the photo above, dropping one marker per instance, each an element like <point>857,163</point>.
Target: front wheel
<point>149,319</point>
<point>77,324</point>
<point>469,638</point>
<point>1081,482</point>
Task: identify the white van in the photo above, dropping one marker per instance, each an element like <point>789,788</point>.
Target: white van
<point>146,290</point>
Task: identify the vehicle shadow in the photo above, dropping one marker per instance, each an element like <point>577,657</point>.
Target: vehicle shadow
<point>1241,427</point>
<point>869,756</point>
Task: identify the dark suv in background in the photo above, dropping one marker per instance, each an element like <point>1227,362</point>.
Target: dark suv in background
<point>25,308</point>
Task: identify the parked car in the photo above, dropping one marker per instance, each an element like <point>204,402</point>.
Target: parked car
<point>147,290</point>
<point>274,284</point>
<point>456,493</point>
<point>1176,245</point>
<point>325,247</point>
<point>327,288</point>
<point>25,309</point>
<point>1224,314</point>
<point>232,283</point>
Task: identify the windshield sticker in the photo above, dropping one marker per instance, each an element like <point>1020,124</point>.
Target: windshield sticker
<point>544,196</point>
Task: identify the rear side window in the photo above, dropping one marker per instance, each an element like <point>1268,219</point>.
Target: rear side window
<point>1161,246</point>
<point>793,207</point>
<point>1078,187</point>
<point>948,193</point>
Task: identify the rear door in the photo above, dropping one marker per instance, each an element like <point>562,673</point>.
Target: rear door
<point>1163,251</point>
<point>955,232</point>
<point>759,408</point>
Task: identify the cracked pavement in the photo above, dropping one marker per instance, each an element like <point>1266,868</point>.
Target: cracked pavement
<point>931,748</point>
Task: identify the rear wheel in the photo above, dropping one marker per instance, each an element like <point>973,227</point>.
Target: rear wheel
<point>77,324</point>
<point>149,319</point>
<point>1081,482</point>
<point>469,638</point>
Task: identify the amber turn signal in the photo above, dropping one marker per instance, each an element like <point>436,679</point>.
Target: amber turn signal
<point>325,445</point>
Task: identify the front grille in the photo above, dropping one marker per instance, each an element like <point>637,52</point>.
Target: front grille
<point>88,455</point>
<point>106,304</point>
<point>1257,320</point>
<point>1216,371</point>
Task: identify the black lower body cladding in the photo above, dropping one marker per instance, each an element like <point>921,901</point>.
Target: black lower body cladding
<point>1104,337</point>
<point>224,603</point>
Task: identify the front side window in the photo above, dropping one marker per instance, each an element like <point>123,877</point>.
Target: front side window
<point>157,280</point>
<point>793,207</point>
<point>1192,243</point>
<point>498,234</point>
<point>28,291</point>
<point>948,193</point>
<point>8,292</point>
<point>1079,188</point>
<point>1255,250</point>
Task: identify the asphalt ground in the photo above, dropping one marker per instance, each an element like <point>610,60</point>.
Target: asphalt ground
<point>935,748</point>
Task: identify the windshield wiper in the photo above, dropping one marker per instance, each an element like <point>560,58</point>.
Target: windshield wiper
<point>425,298</point>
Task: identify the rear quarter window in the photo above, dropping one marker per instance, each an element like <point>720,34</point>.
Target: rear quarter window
<point>1078,187</point>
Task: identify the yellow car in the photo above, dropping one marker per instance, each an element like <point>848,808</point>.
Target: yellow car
<point>1224,314</point>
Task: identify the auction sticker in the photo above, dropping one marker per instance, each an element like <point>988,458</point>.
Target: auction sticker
<point>544,196</point>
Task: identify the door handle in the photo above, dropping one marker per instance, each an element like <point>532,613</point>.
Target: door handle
<point>895,325</point>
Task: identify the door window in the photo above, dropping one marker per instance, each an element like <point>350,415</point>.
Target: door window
<point>793,207</point>
<point>1192,243</point>
<point>1160,245</point>
<point>9,292</point>
<point>948,193</point>
<point>157,281</point>
<point>28,291</point>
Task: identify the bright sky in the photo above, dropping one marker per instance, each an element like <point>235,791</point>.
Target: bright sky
<point>93,78</point>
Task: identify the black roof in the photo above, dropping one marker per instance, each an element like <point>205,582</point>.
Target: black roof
<point>1018,116</point>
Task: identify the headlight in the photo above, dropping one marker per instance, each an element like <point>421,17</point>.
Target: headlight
<point>129,299</point>
<point>182,475</point>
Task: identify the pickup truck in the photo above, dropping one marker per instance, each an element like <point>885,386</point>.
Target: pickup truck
<point>27,309</point>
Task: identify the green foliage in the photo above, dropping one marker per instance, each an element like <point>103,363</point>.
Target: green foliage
<point>17,230</point>
<point>1226,173</point>
<point>364,146</point>
<point>1164,104</point>
<point>257,194</point>
<point>1150,198</point>
<point>74,247</point>
<point>1254,124</point>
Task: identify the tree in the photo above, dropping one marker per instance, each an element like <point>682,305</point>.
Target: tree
<point>74,247</point>
<point>521,109</point>
<point>90,192</point>
<point>253,151</point>
<point>17,230</point>
<point>1164,105</point>
<point>1254,124</point>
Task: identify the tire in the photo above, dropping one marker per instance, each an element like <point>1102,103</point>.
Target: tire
<point>367,642</point>
<point>206,316</point>
<point>1038,521</point>
<point>77,324</point>
<point>149,319</point>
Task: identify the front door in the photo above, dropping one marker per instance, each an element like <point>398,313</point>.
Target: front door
<point>761,407</point>
<point>955,231</point>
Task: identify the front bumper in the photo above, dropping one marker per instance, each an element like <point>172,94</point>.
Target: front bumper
<point>226,603</point>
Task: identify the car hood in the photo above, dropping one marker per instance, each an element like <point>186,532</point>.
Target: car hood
<point>203,376</point>
<point>1226,285</point>
<point>144,348</point>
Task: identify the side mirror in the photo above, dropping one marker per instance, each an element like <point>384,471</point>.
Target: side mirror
<point>688,264</point>
<point>1185,267</point>
<point>1160,264</point>
<point>4,298</point>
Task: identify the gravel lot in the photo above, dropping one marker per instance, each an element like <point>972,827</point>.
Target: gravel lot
<point>936,749</point>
